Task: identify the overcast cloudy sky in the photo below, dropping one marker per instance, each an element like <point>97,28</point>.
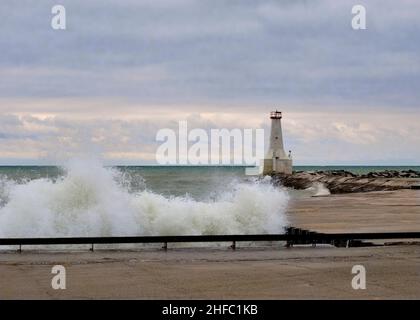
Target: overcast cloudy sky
<point>125,68</point>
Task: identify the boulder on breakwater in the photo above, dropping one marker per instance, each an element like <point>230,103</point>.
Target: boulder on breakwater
<point>341,181</point>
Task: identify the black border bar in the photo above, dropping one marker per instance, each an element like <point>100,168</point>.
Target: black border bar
<point>310,237</point>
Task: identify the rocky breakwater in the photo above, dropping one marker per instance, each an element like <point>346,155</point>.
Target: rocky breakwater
<point>341,181</point>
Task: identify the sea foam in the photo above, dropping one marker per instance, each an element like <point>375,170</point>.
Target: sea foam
<point>90,200</point>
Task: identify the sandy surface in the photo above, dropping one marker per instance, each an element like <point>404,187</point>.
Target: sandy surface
<point>392,272</point>
<point>248,273</point>
<point>382,211</point>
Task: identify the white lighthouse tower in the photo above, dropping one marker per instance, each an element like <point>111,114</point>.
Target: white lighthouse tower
<point>276,159</point>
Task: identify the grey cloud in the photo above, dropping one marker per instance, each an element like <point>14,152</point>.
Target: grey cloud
<point>122,59</point>
<point>292,52</point>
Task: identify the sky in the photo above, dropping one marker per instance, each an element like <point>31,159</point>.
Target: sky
<point>122,70</point>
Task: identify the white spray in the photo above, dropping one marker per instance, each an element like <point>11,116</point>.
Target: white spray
<point>89,201</point>
<point>319,189</point>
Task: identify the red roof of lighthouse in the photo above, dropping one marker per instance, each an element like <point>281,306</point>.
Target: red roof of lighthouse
<point>275,115</point>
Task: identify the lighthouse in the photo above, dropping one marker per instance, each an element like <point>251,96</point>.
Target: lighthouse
<point>276,159</point>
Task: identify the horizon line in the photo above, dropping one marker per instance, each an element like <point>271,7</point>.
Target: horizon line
<point>216,166</point>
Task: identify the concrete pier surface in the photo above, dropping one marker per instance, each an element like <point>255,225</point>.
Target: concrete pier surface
<point>378,211</point>
<point>270,272</point>
<point>263,273</point>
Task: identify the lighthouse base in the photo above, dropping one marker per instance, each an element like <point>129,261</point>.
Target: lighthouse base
<point>278,166</point>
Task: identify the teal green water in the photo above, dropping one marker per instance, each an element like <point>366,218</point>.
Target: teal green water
<point>198,182</point>
<point>356,169</point>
